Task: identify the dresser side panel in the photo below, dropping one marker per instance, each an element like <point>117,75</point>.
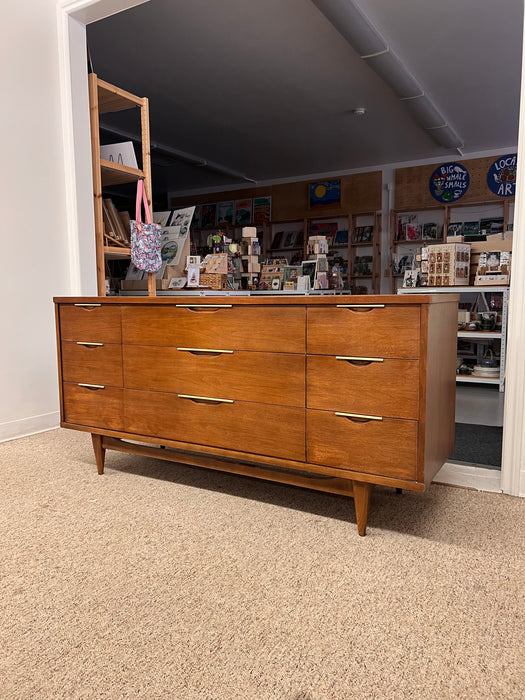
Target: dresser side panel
<point>440,398</point>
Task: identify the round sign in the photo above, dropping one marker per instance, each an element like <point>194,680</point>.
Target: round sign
<point>449,182</point>
<point>501,177</point>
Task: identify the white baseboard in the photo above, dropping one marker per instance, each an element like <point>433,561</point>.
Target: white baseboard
<point>469,476</point>
<point>29,426</point>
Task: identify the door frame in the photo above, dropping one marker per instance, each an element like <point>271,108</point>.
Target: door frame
<point>72,17</point>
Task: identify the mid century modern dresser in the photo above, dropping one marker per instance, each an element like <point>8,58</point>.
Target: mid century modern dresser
<point>334,393</point>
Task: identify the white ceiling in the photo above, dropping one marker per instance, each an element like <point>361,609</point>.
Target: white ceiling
<point>266,88</point>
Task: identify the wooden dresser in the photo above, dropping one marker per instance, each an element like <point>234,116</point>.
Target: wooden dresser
<point>334,393</point>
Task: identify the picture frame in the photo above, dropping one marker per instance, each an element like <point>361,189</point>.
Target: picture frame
<point>325,192</point>
<point>225,212</point>
<point>277,240</point>
<point>243,212</point>
<point>341,237</point>
<point>262,210</point>
<point>430,231</point>
<point>289,239</point>
<point>309,269</point>
<point>411,278</point>
<point>368,234</point>
<point>471,228</point>
<point>455,229</point>
<point>208,215</point>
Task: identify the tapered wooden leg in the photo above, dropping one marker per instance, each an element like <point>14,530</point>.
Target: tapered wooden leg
<point>100,452</point>
<point>362,492</point>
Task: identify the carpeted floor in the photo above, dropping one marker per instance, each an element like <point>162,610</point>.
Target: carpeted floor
<point>159,581</point>
<point>480,444</point>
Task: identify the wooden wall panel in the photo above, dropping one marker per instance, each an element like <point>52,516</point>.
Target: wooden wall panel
<point>289,201</point>
<point>360,193</point>
<point>212,197</point>
<point>412,184</point>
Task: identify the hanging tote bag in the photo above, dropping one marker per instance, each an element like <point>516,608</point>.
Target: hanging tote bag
<point>145,237</point>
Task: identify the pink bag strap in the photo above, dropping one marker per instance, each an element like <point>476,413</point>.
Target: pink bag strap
<point>141,197</point>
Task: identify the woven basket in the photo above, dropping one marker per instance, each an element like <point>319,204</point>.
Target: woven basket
<point>213,281</point>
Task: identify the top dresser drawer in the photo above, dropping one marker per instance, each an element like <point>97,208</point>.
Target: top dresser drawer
<point>216,326</point>
<point>97,323</point>
<point>364,331</point>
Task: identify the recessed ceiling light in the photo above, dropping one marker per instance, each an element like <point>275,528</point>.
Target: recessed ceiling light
<point>359,111</point>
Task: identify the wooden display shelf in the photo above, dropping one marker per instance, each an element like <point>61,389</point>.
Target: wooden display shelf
<point>104,98</point>
<point>476,379</point>
<point>482,335</point>
<point>116,252</point>
<point>428,241</point>
<point>117,174</point>
<point>114,99</point>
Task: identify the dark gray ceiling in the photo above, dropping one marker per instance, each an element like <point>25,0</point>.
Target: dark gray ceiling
<point>267,88</point>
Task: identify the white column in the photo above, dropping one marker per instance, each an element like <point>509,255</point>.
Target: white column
<point>513,459</point>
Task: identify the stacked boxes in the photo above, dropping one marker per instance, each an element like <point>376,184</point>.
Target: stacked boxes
<point>250,251</point>
<point>448,265</point>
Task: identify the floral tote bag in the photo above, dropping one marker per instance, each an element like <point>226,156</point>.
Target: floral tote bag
<point>145,237</point>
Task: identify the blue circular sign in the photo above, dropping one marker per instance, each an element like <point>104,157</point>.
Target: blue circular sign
<point>449,182</point>
<point>501,177</point>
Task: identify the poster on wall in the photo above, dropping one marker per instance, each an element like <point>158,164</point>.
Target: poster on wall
<point>243,212</point>
<point>449,182</point>
<point>501,177</point>
<point>262,210</point>
<point>225,213</point>
<point>327,192</point>
<point>196,221</point>
<point>208,215</point>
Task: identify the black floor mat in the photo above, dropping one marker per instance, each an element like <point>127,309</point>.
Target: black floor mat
<point>478,443</point>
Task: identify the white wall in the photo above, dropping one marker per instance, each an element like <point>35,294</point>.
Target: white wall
<point>34,245</point>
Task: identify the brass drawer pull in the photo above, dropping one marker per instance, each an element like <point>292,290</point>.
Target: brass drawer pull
<point>92,386</point>
<point>204,307</point>
<point>206,350</point>
<point>88,306</point>
<point>203,398</point>
<point>89,345</point>
<point>358,416</point>
<point>360,306</point>
<point>360,359</point>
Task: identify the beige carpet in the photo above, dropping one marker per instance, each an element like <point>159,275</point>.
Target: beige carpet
<point>161,581</point>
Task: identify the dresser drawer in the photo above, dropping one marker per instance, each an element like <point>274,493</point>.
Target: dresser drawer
<point>386,388</point>
<point>387,331</point>
<point>90,323</point>
<point>94,364</point>
<point>272,378</point>
<point>224,326</point>
<point>275,431</point>
<point>96,407</point>
<point>387,447</point>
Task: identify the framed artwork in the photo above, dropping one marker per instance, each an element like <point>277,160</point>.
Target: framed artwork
<point>289,239</point>
<point>243,212</point>
<point>225,212</point>
<point>208,213</point>
<point>262,210</point>
<point>309,269</point>
<point>341,237</point>
<point>196,223</point>
<point>325,192</point>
